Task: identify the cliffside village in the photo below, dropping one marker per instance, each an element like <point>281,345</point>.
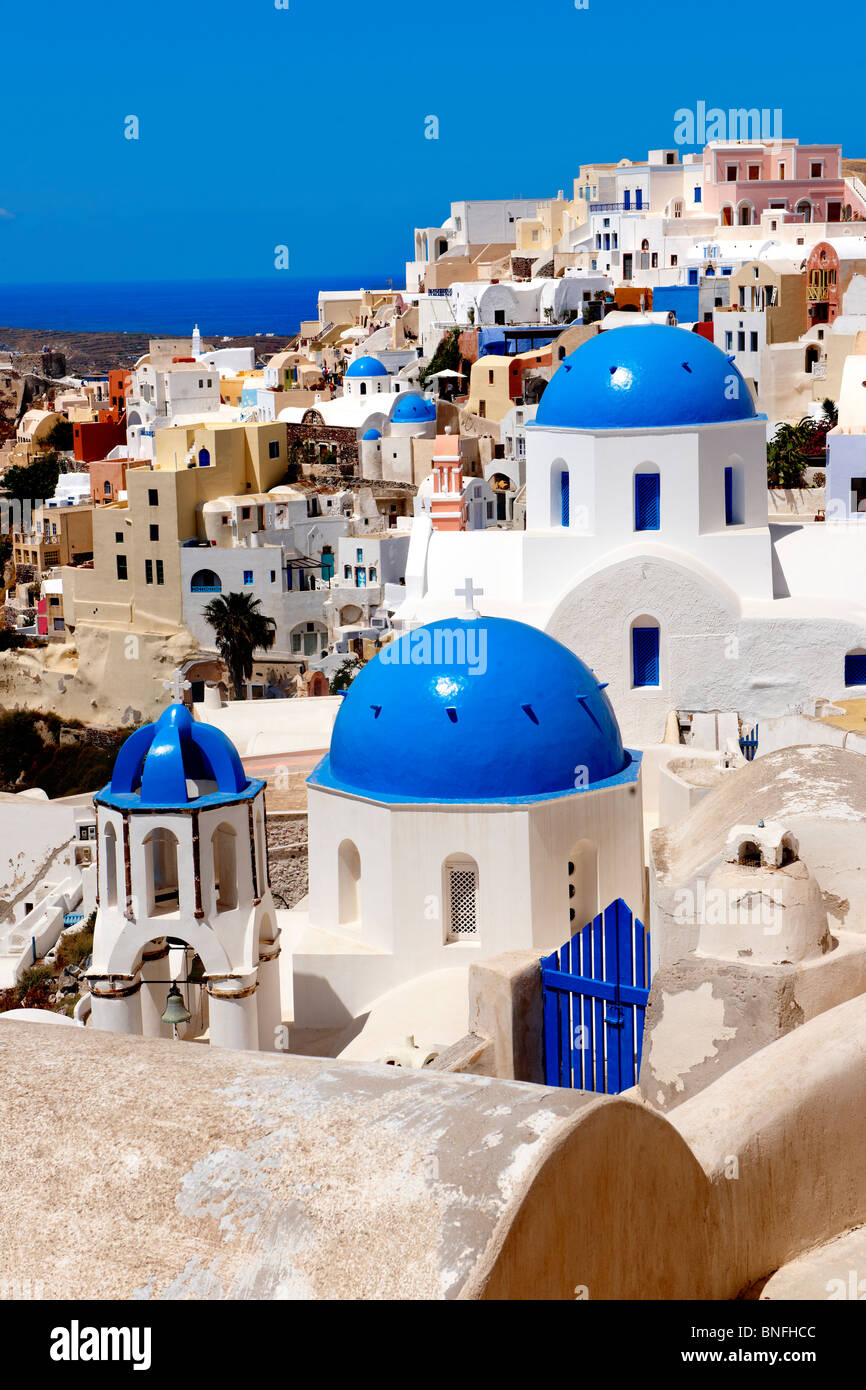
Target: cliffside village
<point>562,547</point>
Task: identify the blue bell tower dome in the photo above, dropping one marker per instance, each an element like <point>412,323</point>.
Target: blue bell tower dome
<point>177,763</point>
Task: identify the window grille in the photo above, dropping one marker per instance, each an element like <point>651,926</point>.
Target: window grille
<point>463,892</point>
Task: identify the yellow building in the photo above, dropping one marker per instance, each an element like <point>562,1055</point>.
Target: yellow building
<point>56,536</point>
<point>136,575</point>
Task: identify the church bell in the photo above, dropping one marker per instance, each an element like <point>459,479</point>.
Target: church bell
<point>175,1009</point>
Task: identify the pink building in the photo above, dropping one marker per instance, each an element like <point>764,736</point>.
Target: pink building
<point>745,178</point>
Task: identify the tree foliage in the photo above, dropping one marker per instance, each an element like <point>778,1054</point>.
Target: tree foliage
<point>240,631</point>
<point>795,447</point>
<point>34,481</point>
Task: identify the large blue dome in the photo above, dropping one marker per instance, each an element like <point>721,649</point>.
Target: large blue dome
<point>645,377</point>
<point>411,409</point>
<point>465,710</point>
<point>176,762</point>
<point>366,366</point>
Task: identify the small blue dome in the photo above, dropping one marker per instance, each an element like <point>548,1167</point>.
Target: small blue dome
<point>176,762</point>
<point>465,710</point>
<point>645,377</point>
<point>372,434</point>
<point>366,366</point>
<point>412,410</point>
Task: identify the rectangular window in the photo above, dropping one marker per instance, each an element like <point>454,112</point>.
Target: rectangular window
<point>699,193</point>
<point>273,576</point>
<point>154,533</point>
<point>647,502</point>
<point>153,497</point>
<point>674,260</point>
<point>645,656</point>
<point>490,377</point>
<point>729,342</point>
<point>654,260</point>
<point>855,668</point>
<point>148,571</point>
<point>741,342</point>
<point>372,574</point>
<point>160,576</point>
<point>245,513</point>
<point>273,449</point>
<point>462,902</point>
<point>248,577</point>
<point>754,172</point>
<point>118,536</point>
<point>693,277</point>
<point>732,172</point>
<point>816,169</point>
<point>347,571</point>
<point>753,342</point>
<point>359,557</point>
<point>121,566</point>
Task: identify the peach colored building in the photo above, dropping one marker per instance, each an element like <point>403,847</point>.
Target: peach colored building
<point>108,480</point>
<point>745,178</point>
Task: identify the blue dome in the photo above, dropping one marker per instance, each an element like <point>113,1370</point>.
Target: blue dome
<point>372,434</point>
<point>366,366</point>
<point>483,709</point>
<point>645,377</point>
<point>411,409</point>
<point>176,762</point>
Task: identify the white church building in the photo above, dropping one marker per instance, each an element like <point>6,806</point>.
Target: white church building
<point>647,545</point>
<point>477,798</point>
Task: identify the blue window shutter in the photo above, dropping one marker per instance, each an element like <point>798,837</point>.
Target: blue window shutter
<point>627,199</point>
<point>645,655</point>
<point>647,502</point>
<point>638,197</point>
<point>729,496</point>
<point>855,668</point>
<point>563,497</point>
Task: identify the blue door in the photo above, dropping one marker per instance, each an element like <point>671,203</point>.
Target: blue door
<point>595,990</point>
<point>645,655</point>
<point>647,501</point>
<point>638,198</point>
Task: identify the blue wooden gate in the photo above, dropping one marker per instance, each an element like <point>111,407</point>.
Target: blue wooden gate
<point>749,745</point>
<point>595,989</point>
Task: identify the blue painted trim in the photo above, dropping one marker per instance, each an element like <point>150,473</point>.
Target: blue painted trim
<point>128,801</point>
<point>321,777</point>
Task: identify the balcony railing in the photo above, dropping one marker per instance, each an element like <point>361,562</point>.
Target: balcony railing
<point>818,293</point>
<point>206,589</point>
<point>612,207</point>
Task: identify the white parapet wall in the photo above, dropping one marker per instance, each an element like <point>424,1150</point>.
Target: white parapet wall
<point>257,727</point>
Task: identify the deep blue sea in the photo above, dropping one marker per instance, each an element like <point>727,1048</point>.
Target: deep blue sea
<point>219,307</point>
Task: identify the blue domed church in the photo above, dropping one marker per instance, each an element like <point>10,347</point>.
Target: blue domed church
<point>477,798</point>
<point>182,882</point>
<point>647,549</point>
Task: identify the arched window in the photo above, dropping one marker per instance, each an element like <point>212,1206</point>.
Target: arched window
<point>348,883</point>
<point>645,661</point>
<point>583,904</point>
<point>106,488</point>
<point>855,667</point>
<point>560,507</point>
<point>203,458</point>
<point>744,214</point>
<point>460,896</point>
<point>363,388</point>
<point>225,868</point>
<point>109,857</point>
<point>160,866</point>
<point>205,582</point>
<point>804,208</point>
<point>727,216</point>
<point>813,355</point>
<point>647,500</point>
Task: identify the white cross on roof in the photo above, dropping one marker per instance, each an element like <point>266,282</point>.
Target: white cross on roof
<point>177,685</point>
<point>469,593</point>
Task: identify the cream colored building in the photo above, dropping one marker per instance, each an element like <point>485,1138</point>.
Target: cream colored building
<point>136,576</point>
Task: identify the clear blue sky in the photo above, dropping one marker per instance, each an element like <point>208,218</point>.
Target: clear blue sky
<point>262,126</point>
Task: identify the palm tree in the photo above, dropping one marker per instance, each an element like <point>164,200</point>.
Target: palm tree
<point>241,630</point>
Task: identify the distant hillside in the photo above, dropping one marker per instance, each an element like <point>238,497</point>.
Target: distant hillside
<point>98,352</point>
<point>852,167</point>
